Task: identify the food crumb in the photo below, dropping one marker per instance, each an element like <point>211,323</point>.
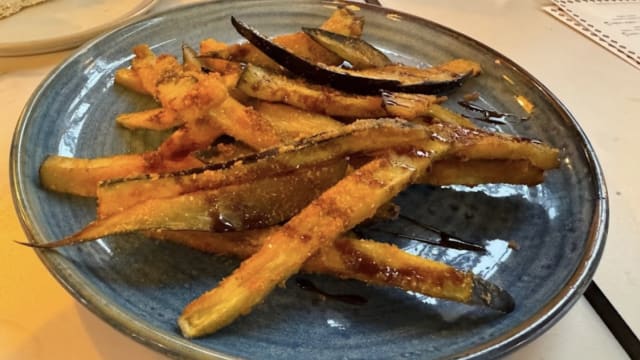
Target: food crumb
<point>473,96</point>
<point>513,245</point>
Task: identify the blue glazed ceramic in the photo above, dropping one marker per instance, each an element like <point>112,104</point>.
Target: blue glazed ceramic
<point>140,286</point>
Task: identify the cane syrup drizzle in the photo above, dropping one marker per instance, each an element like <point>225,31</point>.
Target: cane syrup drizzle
<point>490,116</point>
<point>446,240</point>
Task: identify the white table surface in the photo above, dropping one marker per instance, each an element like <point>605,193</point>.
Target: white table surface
<point>40,320</point>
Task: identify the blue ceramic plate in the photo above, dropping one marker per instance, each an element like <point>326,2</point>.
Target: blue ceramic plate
<point>140,286</point>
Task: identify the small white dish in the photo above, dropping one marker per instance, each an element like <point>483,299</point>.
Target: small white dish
<point>62,24</point>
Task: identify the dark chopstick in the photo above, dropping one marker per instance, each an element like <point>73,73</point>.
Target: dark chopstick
<point>610,316</point>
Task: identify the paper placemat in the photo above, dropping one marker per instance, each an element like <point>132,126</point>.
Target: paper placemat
<point>614,24</point>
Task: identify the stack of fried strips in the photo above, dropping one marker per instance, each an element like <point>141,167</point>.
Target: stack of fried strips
<point>285,193</point>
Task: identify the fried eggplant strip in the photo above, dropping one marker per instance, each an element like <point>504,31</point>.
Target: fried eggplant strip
<point>255,204</point>
<point>245,124</point>
<point>395,77</point>
<point>454,171</point>
<point>190,59</point>
<point>270,86</point>
<point>359,53</point>
<point>476,144</point>
<point>346,257</point>
<point>190,94</point>
<point>446,171</point>
<point>354,138</point>
<point>341,21</point>
<point>223,150</point>
<point>130,80</point>
<point>222,66</point>
<point>443,114</point>
<point>121,194</point>
<point>369,261</point>
<point>153,119</point>
<point>352,200</point>
<point>291,123</point>
<point>81,176</point>
<point>266,85</point>
<point>412,106</point>
<point>190,137</point>
<point>229,71</point>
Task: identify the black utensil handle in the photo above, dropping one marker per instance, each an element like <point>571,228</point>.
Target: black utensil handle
<point>610,316</point>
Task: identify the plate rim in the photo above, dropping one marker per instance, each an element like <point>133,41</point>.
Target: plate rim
<point>170,344</point>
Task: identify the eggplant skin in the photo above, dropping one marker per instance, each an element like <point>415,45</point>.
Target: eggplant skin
<point>359,53</point>
<point>435,81</point>
<point>267,85</point>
